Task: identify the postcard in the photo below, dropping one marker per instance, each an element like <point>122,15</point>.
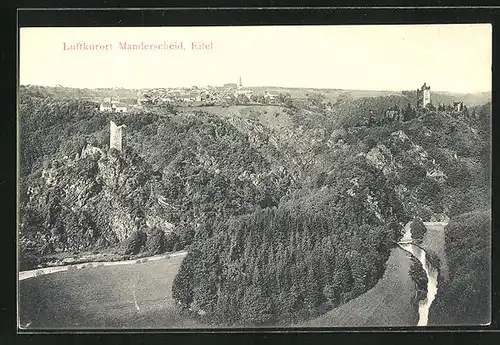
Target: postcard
<point>236,177</point>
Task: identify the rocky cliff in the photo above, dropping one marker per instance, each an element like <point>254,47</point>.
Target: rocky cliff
<point>410,168</point>
<point>95,199</point>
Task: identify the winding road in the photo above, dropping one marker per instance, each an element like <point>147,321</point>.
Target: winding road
<point>49,270</point>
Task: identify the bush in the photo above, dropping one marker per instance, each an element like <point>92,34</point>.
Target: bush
<point>182,288</point>
<point>134,243</point>
<point>155,242</point>
<point>419,277</point>
<point>27,261</point>
<point>430,193</point>
<point>458,175</point>
<point>417,229</point>
<point>171,242</point>
<point>433,259</point>
<point>186,237</point>
<point>412,175</point>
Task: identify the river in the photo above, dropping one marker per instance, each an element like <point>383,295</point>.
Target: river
<point>431,272</point>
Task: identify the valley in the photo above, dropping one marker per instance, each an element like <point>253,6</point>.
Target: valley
<point>289,214</point>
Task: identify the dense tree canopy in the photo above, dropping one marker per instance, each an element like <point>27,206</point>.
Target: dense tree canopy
<point>465,298</point>
<point>317,249</point>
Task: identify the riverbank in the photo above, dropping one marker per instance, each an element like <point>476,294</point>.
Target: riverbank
<point>387,304</point>
<point>433,242</point>
<point>425,251</point>
<point>137,294</point>
<point>392,301</point>
<point>464,299</point>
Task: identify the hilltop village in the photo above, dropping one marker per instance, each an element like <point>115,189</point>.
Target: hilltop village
<point>226,95</point>
<point>231,94</point>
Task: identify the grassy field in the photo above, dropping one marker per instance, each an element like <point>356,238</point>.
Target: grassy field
<point>103,297</point>
<point>139,296</point>
<point>387,304</point>
<point>329,94</point>
<point>272,116</point>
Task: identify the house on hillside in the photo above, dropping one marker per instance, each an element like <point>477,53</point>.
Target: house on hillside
<point>393,114</point>
<point>270,95</point>
<point>247,93</point>
<point>120,108</point>
<point>114,107</point>
<point>106,106</point>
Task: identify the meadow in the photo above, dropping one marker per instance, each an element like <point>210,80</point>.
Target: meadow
<point>387,304</point>
<point>108,297</point>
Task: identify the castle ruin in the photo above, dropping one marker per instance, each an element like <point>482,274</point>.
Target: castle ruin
<point>458,106</point>
<point>424,96</point>
<point>115,136</point>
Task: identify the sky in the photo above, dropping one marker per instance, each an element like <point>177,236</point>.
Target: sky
<point>455,58</point>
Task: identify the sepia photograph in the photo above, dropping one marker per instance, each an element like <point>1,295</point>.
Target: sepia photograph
<point>254,177</point>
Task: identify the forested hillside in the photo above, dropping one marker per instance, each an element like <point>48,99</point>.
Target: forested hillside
<point>176,172</point>
<point>398,171</point>
<point>317,249</point>
<point>465,298</point>
<point>433,165</point>
<point>286,211</point>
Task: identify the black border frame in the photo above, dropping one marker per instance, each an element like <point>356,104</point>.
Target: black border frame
<point>266,16</point>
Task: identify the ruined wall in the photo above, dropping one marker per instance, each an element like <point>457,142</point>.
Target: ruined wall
<point>115,136</point>
<point>427,97</point>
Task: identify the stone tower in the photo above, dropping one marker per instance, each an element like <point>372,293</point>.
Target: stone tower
<point>427,95</point>
<point>115,136</point>
<point>424,95</point>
